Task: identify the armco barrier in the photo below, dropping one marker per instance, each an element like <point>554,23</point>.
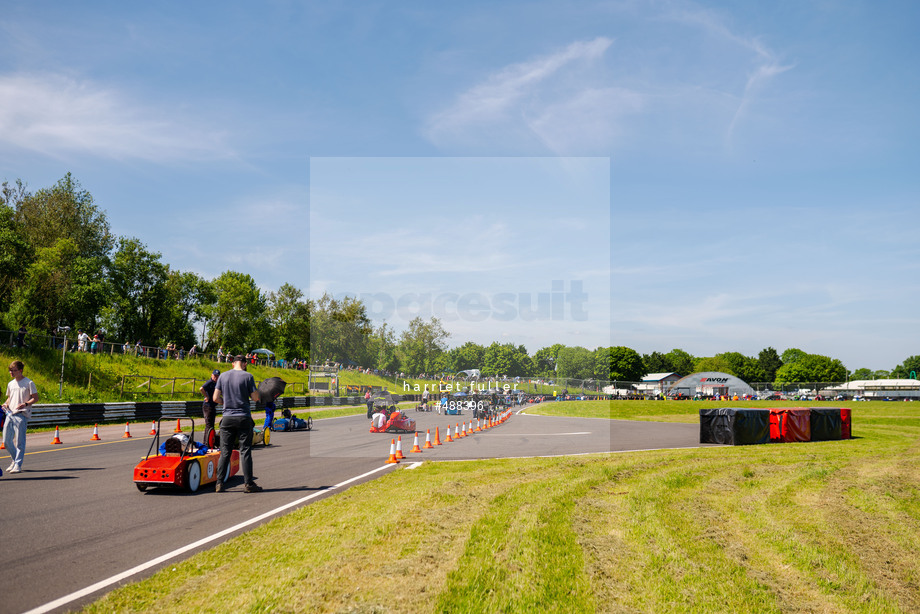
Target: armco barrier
<point>63,414</point>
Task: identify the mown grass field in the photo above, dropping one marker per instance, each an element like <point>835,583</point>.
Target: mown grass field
<point>806,527</point>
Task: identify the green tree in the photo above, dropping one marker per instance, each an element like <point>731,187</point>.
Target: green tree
<point>506,359</point>
<point>793,355</point>
<point>422,345</point>
<point>811,368</point>
<point>744,367</point>
<point>65,211</point>
<point>238,320</point>
<point>339,330</point>
<point>625,364</point>
<point>15,255</point>
<point>544,360</point>
<point>862,373</point>
<point>60,287</point>
<point>190,297</point>
<point>656,362</point>
<point>467,356</point>
<point>383,349</point>
<point>138,306</point>
<point>911,365</point>
<point>575,363</point>
<point>681,361</point>
<point>716,363</point>
<point>289,316</point>
<point>769,361</point>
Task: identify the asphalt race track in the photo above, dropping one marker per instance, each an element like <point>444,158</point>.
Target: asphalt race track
<point>73,517</point>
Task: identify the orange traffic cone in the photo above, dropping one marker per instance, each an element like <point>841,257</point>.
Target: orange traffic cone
<point>392,458</point>
<point>428,440</point>
<point>178,428</point>
<point>415,447</point>
<point>153,427</point>
<point>127,431</point>
<point>2,445</point>
<point>459,432</point>
<point>95,436</point>
<point>399,453</point>
<point>448,439</point>
<point>57,435</point>
<point>437,436</point>
<point>478,427</point>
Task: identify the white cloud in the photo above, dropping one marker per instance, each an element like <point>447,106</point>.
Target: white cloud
<point>766,63</point>
<point>550,98</point>
<point>58,115</point>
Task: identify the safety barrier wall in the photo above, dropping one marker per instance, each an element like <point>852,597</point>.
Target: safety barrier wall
<point>63,414</point>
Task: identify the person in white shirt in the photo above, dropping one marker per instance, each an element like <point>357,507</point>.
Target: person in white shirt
<point>21,394</point>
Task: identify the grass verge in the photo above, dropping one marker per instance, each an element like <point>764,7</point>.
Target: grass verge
<point>808,527</point>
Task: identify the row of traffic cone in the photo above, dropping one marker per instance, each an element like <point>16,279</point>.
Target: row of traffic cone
<point>95,437</point>
<point>396,453</point>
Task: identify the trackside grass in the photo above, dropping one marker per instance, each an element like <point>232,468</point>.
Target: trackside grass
<point>804,527</point>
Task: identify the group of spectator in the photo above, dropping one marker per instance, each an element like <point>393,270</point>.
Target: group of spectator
<point>87,344</point>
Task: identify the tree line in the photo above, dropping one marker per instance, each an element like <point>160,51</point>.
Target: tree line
<point>60,265</point>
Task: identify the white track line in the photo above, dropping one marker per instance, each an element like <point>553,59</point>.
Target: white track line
<point>51,605</point>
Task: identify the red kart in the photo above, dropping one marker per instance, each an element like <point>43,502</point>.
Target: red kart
<point>181,463</point>
<point>387,419</point>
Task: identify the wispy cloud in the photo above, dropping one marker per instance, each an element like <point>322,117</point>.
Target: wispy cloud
<point>766,62</point>
<point>58,116</point>
<point>551,98</point>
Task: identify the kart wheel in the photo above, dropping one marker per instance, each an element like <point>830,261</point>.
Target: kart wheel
<point>140,487</point>
<point>193,475</point>
<point>266,436</point>
<point>309,423</point>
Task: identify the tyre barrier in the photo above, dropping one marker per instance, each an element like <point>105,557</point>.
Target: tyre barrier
<point>66,414</point>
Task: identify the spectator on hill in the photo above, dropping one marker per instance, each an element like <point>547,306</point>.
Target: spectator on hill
<point>21,337</point>
<point>82,340</point>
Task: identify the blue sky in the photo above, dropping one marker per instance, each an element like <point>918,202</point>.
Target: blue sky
<point>760,157</point>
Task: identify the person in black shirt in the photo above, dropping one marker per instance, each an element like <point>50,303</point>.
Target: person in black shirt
<point>209,407</point>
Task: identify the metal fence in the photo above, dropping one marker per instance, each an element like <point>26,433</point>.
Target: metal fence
<point>57,341</point>
<point>65,414</point>
<point>176,386</point>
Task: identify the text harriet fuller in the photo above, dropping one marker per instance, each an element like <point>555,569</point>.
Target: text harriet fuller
<point>458,386</point>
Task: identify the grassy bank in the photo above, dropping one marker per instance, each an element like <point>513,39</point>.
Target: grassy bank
<point>810,527</point>
<point>97,378</point>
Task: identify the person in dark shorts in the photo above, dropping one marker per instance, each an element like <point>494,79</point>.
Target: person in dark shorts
<point>236,388</point>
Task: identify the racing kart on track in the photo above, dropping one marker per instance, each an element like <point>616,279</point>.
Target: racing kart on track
<point>181,462</point>
<point>290,422</point>
<point>387,419</point>
<point>260,437</point>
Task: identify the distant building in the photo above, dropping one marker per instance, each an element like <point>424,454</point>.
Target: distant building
<point>656,383</point>
<point>878,389</point>
<point>710,384</point>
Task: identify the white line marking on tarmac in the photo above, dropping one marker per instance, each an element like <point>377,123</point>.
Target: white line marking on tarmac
<point>51,605</point>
